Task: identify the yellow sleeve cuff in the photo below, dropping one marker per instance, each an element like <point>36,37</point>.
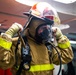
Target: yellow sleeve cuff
<point>5,44</point>
<point>64,45</point>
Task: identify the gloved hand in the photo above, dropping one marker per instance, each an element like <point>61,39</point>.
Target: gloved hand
<point>57,32</point>
<point>13,29</point>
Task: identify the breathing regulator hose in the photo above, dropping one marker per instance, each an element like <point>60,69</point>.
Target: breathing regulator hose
<point>59,56</point>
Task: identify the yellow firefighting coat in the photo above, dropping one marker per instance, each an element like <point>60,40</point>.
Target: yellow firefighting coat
<point>42,60</point>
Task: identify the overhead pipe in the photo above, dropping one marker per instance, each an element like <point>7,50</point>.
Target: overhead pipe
<point>68,20</point>
<point>12,15</point>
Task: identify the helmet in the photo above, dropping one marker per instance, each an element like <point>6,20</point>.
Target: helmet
<point>44,10</point>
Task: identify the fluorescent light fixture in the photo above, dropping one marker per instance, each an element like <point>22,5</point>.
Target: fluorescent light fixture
<point>65,1</point>
<point>72,42</point>
<point>62,26</point>
<point>0,24</point>
<point>27,2</point>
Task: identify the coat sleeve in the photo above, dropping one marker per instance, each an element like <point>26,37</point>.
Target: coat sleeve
<point>65,51</point>
<point>7,52</point>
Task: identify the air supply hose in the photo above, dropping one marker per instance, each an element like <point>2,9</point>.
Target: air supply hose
<point>52,45</point>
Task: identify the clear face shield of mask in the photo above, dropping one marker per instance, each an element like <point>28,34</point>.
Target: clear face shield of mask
<point>44,33</point>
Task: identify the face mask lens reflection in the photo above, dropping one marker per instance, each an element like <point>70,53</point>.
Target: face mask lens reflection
<point>43,28</point>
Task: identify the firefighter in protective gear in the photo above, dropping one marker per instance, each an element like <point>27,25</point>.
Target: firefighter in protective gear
<point>38,31</point>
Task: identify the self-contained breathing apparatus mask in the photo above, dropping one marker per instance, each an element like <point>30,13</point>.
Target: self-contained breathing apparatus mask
<point>44,33</point>
<point>43,29</point>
